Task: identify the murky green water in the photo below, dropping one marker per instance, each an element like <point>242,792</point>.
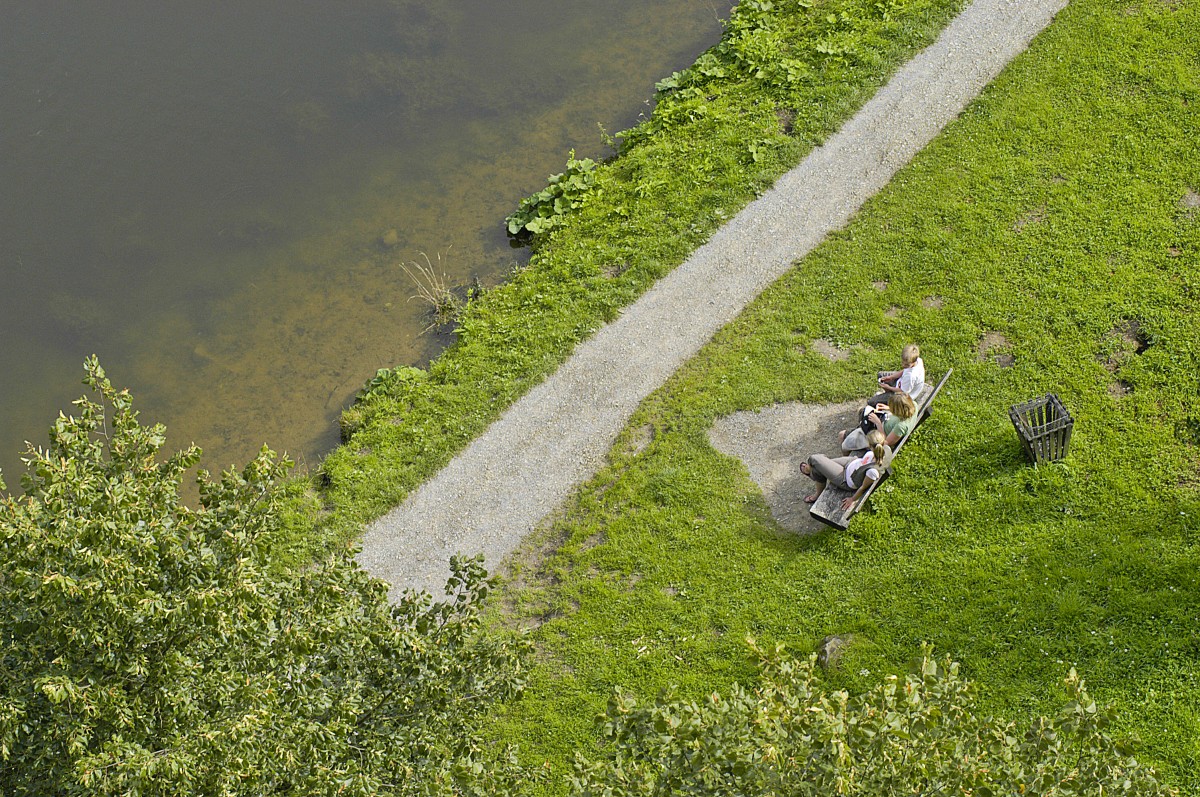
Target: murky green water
<point>201,192</point>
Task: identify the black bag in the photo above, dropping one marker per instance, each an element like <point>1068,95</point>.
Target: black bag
<point>867,425</point>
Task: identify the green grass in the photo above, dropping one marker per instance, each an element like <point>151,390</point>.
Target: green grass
<point>1055,211</point>
<point>784,77</point>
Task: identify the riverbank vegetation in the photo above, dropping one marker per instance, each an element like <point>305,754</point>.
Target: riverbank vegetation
<point>1047,241</point>
<point>784,76</point>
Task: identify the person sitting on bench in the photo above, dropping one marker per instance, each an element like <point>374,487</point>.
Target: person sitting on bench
<point>895,419</point>
<point>910,379</point>
<point>849,473</point>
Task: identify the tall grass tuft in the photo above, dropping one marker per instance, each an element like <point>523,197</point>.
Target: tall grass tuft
<point>434,289</point>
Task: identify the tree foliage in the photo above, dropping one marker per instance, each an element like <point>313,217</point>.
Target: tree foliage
<point>147,647</point>
<point>790,736</point>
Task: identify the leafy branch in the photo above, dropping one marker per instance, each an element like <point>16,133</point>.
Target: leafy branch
<point>922,736</point>
<point>548,208</point>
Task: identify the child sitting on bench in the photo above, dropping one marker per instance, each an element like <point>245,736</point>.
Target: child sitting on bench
<point>849,473</point>
<point>910,379</point>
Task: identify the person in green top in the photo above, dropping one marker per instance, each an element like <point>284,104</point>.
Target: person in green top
<point>895,419</point>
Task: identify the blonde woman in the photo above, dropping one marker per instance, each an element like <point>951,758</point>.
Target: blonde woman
<point>895,419</point>
<point>849,473</point>
<point>909,379</point>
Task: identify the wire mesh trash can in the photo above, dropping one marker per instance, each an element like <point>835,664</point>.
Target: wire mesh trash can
<point>1044,426</point>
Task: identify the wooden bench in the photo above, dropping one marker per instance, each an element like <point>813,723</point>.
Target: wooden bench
<point>828,508</point>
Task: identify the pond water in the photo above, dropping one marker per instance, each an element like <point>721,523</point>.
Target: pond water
<point>215,196</point>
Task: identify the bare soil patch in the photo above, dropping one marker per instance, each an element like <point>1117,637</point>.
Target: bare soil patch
<point>880,285</point>
<point>1133,338</point>
<point>829,350</point>
<point>996,347</point>
<point>597,539</point>
<point>787,120</point>
<point>614,270</point>
<point>1126,339</point>
<point>773,441</point>
<point>641,438</point>
<point>526,566</point>
<point>893,312</point>
<point>1035,216</point>
<point>933,302</point>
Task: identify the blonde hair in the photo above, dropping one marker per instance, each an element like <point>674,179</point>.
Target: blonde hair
<point>901,405</point>
<point>878,444</point>
<point>911,353</point>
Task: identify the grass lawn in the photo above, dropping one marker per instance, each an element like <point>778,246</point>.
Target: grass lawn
<point>1059,220</point>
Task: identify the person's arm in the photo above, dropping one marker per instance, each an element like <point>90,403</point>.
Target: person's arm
<point>848,503</point>
<point>891,440</point>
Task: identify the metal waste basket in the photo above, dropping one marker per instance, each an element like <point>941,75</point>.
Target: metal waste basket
<point>1044,426</point>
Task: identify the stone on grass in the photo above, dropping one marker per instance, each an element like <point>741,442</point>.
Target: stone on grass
<point>829,652</point>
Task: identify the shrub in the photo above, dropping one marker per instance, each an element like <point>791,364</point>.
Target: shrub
<point>792,736</point>
<point>146,647</point>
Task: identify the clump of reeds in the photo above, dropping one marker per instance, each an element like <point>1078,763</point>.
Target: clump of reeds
<point>434,289</point>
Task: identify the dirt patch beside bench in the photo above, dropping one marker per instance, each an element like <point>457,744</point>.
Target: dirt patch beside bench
<point>773,441</point>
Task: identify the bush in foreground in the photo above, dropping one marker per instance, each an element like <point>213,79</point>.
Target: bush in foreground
<point>147,648</point>
<point>791,736</point>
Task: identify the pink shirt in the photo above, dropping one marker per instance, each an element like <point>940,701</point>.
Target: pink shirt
<point>864,461</point>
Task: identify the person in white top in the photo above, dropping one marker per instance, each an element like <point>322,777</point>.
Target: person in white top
<point>910,379</point>
<point>849,473</point>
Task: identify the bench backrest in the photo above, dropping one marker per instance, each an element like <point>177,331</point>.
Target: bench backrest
<point>924,410</point>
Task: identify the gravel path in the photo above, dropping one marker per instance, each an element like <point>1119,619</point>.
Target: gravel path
<point>531,459</point>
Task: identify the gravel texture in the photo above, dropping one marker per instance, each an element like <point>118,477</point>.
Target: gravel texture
<point>555,437</point>
<point>773,441</point>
